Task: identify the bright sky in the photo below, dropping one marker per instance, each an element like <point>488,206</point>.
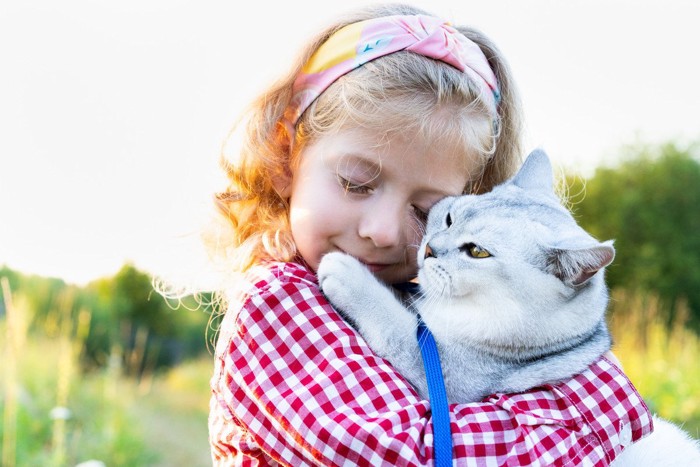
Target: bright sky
<point>112,113</point>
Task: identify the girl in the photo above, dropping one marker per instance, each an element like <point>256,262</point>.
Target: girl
<point>384,114</point>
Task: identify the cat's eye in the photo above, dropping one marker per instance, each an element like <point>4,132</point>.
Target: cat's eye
<point>448,220</point>
<point>475,251</point>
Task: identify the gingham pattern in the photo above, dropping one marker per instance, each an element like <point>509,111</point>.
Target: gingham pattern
<point>295,385</point>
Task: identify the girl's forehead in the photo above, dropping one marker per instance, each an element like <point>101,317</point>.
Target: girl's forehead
<point>377,143</point>
<point>412,144</point>
<point>441,127</point>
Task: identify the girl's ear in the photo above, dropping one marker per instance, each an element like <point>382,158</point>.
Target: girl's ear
<point>282,183</point>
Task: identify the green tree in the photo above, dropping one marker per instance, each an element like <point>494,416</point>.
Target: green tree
<point>650,205</point>
<point>127,317</point>
<point>41,293</point>
<point>131,317</point>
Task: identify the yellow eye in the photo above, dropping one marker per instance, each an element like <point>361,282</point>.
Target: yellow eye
<point>475,251</point>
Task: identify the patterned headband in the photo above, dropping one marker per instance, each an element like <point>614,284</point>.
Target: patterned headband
<point>359,43</point>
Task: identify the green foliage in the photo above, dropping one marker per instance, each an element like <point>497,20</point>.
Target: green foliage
<point>41,292</point>
<point>650,205</point>
<point>53,414</point>
<point>127,317</point>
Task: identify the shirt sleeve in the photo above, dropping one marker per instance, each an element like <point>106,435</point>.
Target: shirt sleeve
<point>295,385</point>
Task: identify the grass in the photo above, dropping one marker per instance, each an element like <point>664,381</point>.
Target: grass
<point>661,362</point>
<point>113,419</point>
<point>172,414</point>
<point>87,421</point>
<point>55,415</point>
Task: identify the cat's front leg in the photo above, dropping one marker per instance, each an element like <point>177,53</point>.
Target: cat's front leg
<point>354,291</point>
<point>366,303</point>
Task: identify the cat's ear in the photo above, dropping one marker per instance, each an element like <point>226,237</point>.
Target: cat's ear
<point>535,173</point>
<point>576,266</point>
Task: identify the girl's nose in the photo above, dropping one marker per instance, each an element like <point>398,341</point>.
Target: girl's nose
<point>382,225</point>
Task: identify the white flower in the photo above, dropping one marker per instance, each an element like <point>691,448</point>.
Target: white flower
<point>60,413</point>
<point>91,463</point>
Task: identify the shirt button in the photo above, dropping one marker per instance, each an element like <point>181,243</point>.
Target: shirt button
<point>625,434</point>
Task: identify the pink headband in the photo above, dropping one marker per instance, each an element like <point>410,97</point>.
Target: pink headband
<point>359,43</point>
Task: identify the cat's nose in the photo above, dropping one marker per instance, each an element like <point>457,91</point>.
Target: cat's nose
<point>428,252</point>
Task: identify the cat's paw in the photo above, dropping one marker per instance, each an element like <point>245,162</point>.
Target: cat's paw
<point>341,277</point>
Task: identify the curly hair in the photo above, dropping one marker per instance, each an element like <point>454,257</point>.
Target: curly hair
<point>398,93</point>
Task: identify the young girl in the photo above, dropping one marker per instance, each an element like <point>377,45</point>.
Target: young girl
<point>385,114</point>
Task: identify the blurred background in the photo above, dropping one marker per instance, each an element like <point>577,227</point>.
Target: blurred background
<point>112,115</point>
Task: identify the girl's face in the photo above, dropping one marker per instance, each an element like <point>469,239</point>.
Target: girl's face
<point>359,194</point>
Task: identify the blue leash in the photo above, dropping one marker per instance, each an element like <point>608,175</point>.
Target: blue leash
<point>442,432</point>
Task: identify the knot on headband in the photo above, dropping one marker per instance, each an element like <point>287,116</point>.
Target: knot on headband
<point>359,43</point>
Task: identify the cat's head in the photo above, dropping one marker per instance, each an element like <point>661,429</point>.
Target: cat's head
<point>512,259</point>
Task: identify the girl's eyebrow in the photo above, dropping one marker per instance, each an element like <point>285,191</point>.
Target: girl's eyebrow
<point>441,191</point>
<point>358,160</point>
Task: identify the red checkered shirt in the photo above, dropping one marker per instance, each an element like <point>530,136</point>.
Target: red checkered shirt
<point>295,385</point>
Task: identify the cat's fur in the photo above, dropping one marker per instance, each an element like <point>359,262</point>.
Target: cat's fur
<point>530,312</point>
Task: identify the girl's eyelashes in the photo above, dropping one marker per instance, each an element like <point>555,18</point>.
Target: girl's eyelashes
<point>352,187</point>
<point>349,186</point>
<point>421,214</point>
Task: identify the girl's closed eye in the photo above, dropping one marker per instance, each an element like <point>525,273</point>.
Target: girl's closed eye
<point>420,214</point>
<point>354,187</point>
<point>357,174</point>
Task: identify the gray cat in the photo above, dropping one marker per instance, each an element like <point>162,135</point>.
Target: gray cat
<point>511,288</point>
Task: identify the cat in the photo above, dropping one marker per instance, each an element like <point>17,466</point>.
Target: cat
<point>512,289</point>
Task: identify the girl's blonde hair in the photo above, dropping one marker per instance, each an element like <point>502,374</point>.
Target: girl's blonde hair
<point>400,92</point>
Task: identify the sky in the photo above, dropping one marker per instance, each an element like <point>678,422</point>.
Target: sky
<point>112,114</point>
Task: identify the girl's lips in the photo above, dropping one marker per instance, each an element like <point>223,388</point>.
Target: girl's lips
<point>375,267</point>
